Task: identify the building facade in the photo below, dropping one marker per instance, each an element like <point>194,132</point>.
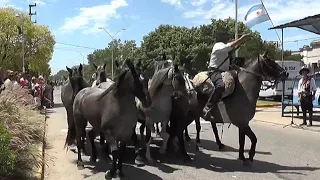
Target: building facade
<point>311,55</point>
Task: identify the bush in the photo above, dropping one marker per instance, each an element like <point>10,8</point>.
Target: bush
<point>7,158</point>
<point>23,129</point>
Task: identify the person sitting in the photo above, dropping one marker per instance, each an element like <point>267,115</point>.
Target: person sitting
<point>220,53</point>
<point>306,94</point>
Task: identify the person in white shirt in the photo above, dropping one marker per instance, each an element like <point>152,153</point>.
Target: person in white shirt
<point>220,52</point>
<point>306,94</point>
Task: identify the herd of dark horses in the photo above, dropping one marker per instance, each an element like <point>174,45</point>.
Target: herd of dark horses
<point>168,97</point>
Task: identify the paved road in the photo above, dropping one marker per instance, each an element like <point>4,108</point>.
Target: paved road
<point>281,154</point>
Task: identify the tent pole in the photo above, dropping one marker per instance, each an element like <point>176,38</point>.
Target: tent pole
<point>283,81</point>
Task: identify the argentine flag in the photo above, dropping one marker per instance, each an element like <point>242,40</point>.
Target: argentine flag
<point>256,15</point>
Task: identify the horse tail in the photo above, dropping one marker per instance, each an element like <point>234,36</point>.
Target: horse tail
<point>71,134</point>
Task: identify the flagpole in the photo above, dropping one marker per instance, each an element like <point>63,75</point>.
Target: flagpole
<point>236,25</point>
<point>270,20</point>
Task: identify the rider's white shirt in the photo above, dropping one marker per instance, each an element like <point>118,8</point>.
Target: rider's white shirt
<point>313,86</point>
<point>219,54</point>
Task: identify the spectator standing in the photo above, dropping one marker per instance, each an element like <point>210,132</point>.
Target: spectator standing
<point>306,94</point>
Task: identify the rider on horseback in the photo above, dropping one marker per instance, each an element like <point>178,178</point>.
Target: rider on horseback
<point>220,52</point>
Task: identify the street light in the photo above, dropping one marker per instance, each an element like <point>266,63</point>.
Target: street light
<point>22,34</point>
<point>112,38</point>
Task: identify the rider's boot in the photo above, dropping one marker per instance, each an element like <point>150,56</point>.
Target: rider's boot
<point>212,102</point>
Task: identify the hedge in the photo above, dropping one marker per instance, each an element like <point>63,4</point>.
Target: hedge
<point>21,132</point>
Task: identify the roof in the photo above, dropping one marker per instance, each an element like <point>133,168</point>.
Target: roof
<point>310,23</point>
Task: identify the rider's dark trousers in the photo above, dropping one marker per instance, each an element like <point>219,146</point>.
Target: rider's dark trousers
<point>307,106</point>
<point>216,94</point>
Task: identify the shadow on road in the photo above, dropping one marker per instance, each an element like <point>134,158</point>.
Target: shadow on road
<point>212,146</point>
<point>58,105</point>
<point>201,161</point>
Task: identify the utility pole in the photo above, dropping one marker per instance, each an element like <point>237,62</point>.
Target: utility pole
<point>31,6</point>
<point>236,25</point>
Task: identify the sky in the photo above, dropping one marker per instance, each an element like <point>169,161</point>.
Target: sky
<point>77,22</point>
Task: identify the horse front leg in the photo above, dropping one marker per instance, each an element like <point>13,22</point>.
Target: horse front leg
<point>138,159</point>
<point>198,128</point>
<point>216,134</point>
<point>111,173</point>
<point>165,136</point>
<point>91,135</point>
<point>186,157</point>
<point>242,139</point>
<point>148,143</point>
<point>248,131</point>
<point>120,157</point>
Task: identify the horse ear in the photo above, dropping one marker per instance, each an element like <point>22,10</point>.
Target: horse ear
<point>176,67</point>
<point>164,57</point>
<point>265,54</point>
<point>132,69</point>
<point>95,66</point>
<point>117,64</point>
<point>129,64</point>
<point>69,70</point>
<point>139,64</point>
<point>80,67</point>
<point>104,65</point>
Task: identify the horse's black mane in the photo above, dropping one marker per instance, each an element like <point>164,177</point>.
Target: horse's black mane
<point>117,82</point>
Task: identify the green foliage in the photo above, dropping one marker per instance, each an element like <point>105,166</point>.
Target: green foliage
<point>23,130</point>
<point>60,75</point>
<point>38,44</point>
<point>7,157</point>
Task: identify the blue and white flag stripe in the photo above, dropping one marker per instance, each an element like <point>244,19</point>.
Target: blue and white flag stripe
<point>256,15</point>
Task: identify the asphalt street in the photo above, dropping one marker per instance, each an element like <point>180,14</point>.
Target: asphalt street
<point>282,153</point>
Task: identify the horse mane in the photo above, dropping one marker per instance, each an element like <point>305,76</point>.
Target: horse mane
<point>157,80</point>
<point>252,61</point>
<point>115,86</point>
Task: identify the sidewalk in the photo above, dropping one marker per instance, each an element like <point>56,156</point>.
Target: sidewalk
<point>273,115</point>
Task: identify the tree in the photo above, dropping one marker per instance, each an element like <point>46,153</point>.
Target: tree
<point>192,46</point>
<point>121,51</point>
<point>38,42</point>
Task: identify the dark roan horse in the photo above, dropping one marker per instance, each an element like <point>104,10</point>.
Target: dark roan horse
<point>47,98</point>
<point>104,83</point>
<point>68,92</point>
<point>111,111</point>
<point>239,107</point>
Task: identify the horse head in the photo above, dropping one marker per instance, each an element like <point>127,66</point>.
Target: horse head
<point>178,80</point>
<point>100,74</point>
<point>269,69</point>
<point>76,79</point>
<point>138,84</point>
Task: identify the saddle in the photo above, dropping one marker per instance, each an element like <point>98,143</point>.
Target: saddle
<point>228,78</point>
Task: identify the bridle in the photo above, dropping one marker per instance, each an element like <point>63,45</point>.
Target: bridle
<point>263,74</point>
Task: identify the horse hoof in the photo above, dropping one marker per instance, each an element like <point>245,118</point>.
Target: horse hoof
<point>197,148</point>
<point>80,165</point>
<point>109,175</point>
<point>247,163</point>
<point>139,161</point>
<point>221,147</point>
<point>92,159</point>
<point>151,161</point>
<point>242,158</point>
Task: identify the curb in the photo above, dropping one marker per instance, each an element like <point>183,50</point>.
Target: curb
<point>40,170</point>
<point>268,105</point>
<point>280,124</point>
